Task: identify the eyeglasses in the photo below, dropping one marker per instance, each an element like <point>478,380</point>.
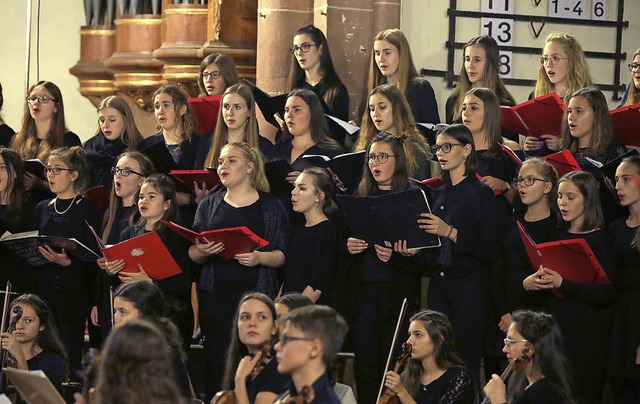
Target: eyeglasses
<point>125,172</point>
<point>285,339</point>
<point>528,181</point>
<point>214,75</point>
<point>304,48</point>
<point>445,147</point>
<point>55,170</point>
<point>546,60</point>
<point>42,99</point>
<point>633,66</point>
<point>508,342</point>
<point>381,157</point>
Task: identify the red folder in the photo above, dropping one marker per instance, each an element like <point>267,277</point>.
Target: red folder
<point>626,124</point>
<point>563,161</point>
<point>572,259</point>
<point>188,177</point>
<point>511,154</point>
<point>98,197</point>
<point>236,240</point>
<point>536,117</point>
<point>436,182</point>
<point>148,251</point>
<point>205,112</point>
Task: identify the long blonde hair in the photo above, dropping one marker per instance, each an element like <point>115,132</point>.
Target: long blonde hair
<point>26,142</point>
<point>578,75</point>
<point>131,135</point>
<point>634,93</point>
<point>406,68</point>
<point>221,132</point>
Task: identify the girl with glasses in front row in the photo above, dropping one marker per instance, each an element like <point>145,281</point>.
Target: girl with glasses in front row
<point>632,95</point>
<point>66,283</point>
<point>584,311</point>
<point>385,278</point>
<point>563,70</point>
<point>128,174</point>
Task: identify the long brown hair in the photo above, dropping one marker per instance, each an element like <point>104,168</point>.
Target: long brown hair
<point>131,135</point>
<point>227,68</point>
<point>491,119</point>
<point>578,75</point>
<point>588,188</point>
<point>602,129</point>
<point>403,123</point>
<point>14,193</point>
<point>490,76</point>
<point>400,177</point>
<point>221,133</point>
<point>26,141</point>
<point>115,202</point>
<point>180,99</point>
<point>406,68</point>
<point>634,93</point>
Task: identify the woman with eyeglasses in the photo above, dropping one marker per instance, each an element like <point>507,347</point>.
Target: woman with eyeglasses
<point>156,201</point>
<point>312,69</point>
<point>625,378</point>
<point>563,70</point>
<point>388,111</point>
<point>217,73</point>
<point>43,129</point>
<point>587,133</point>
<point>466,218</point>
<point>480,68</point>
<point>128,174</point>
<point>384,278</point>
<point>534,343</point>
<point>66,283</point>
<point>632,96</point>
<point>117,133</point>
<point>584,309</point>
<point>391,62</point>
<point>537,185</point>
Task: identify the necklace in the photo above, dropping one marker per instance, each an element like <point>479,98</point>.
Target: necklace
<point>55,201</point>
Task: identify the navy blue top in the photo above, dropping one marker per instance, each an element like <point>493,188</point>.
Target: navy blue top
<point>269,379</point>
<point>540,392</point>
<point>455,386</point>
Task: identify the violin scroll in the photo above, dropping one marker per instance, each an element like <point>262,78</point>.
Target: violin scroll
<point>265,357</point>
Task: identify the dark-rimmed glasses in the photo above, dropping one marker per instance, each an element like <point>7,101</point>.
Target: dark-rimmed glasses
<point>445,147</point>
<point>633,66</point>
<point>528,181</point>
<point>382,158</point>
<point>214,75</point>
<point>285,339</point>
<point>125,172</point>
<point>55,170</point>
<point>304,48</point>
<point>42,99</point>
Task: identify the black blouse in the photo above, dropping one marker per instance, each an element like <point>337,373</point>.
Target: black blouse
<point>455,386</point>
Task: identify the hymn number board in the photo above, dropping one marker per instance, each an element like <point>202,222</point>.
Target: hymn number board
<point>501,29</point>
<point>579,9</point>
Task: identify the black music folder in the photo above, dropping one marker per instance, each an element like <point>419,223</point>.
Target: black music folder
<point>347,167</point>
<point>26,246</point>
<point>269,104</point>
<point>276,172</point>
<point>386,219</point>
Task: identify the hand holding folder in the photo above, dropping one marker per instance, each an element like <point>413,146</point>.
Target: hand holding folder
<point>236,240</point>
<point>572,259</point>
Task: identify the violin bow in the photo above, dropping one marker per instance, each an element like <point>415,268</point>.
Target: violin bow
<point>111,305</point>
<point>403,311</point>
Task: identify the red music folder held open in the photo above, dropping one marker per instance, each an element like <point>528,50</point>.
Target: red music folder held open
<point>188,177</point>
<point>205,112</point>
<point>236,240</point>
<point>535,117</point>
<point>563,161</point>
<point>626,121</point>
<point>148,251</point>
<point>572,259</point>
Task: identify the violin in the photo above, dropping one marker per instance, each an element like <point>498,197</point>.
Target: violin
<point>389,397</point>
<point>224,397</point>
<point>513,365</point>
<point>306,396</point>
<point>228,396</point>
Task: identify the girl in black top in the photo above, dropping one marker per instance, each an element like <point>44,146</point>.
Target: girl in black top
<point>480,68</point>
<point>384,278</point>
<point>391,62</point>
<point>236,123</point>
<point>128,174</point>
<point>312,252</point>
<point>156,202</point>
<point>434,372</point>
<point>312,69</point>
<point>16,211</point>
<point>67,283</point>
<point>583,310</point>
<point>388,111</point>
<point>465,216</point>
<point>537,185</point>
<point>251,369</point>
<point>624,370</point>
<point>118,132</point>
<point>6,132</point>
<point>535,344</point>
<point>222,282</point>
<point>43,129</point>
<point>34,343</point>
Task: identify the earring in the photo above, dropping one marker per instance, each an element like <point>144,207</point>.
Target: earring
<point>465,157</point>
